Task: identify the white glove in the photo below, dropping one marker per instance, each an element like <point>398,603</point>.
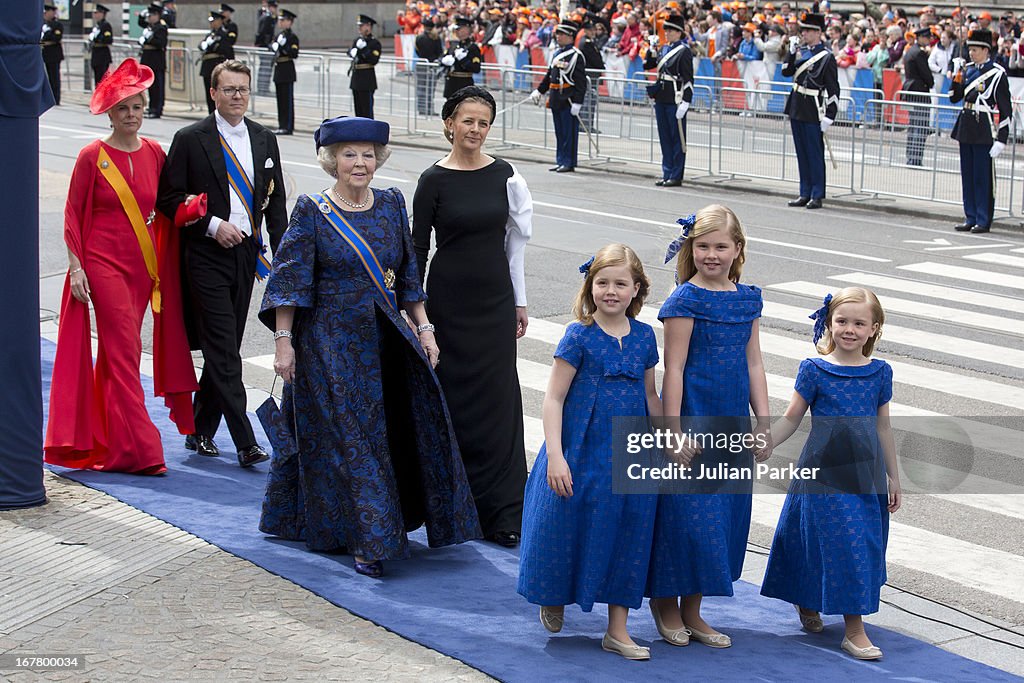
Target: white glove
<point>826,123</point>
<point>205,44</point>
<point>142,39</point>
<point>353,52</point>
<point>958,63</point>
<point>997,149</point>
<point>681,109</point>
<point>447,60</point>
<point>275,46</point>
<point>575,108</point>
<point>653,39</point>
<point>147,33</point>
<point>535,96</point>
<point>281,40</point>
<point>460,53</point>
<point>794,44</point>
<point>360,43</point>
<point>94,34</point>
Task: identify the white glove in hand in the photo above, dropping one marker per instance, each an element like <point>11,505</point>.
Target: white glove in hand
<point>281,40</point>
<point>353,52</point>
<point>142,40</point>
<point>94,34</point>
<point>681,109</point>
<point>794,44</point>
<point>205,44</point>
<point>997,149</point>
<point>535,96</point>
<point>575,108</point>
<point>360,43</point>
<point>147,33</point>
<point>275,46</point>
<point>958,63</point>
<point>826,122</point>
<point>447,60</point>
<point>460,53</point>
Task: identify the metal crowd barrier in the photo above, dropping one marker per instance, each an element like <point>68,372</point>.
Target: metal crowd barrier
<point>732,131</point>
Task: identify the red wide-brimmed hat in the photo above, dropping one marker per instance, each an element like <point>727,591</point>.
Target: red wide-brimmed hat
<point>127,80</point>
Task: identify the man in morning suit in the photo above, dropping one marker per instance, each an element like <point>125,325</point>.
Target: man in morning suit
<point>365,54</point>
<point>237,164</point>
<point>567,80</point>
<point>917,77</point>
<point>100,39</point>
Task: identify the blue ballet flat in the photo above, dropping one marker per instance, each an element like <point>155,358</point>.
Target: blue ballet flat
<point>374,569</point>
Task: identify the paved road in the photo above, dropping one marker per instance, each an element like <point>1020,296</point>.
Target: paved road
<point>954,333</point>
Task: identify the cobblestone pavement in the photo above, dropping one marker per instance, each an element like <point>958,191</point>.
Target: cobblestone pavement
<point>202,615</point>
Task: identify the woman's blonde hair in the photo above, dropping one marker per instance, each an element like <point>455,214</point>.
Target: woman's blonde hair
<point>611,255</point>
<point>852,295</point>
<point>712,217</point>
<point>328,156</point>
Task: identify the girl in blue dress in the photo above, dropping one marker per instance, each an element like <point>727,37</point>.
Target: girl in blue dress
<point>582,543</point>
<point>828,554</point>
<point>713,369</point>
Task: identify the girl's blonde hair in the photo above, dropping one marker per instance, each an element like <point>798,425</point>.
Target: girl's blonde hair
<point>611,255</point>
<point>712,217</point>
<point>852,295</point>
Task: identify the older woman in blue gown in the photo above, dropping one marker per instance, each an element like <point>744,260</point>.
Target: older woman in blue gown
<point>377,456</point>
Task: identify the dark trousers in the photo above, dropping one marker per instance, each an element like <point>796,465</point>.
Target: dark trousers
<point>567,133</point>
<point>207,84</point>
<point>220,283</point>
<point>53,74</point>
<point>156,92</point>
<point>426,83</point>
<point>977,177</point>
<point>673,158</point>
<point>362,103</point>
<point>99,68</point>
<point>264,73</point>
<point>917,132</point>
<point>810,157</point>
<point>285,106</point>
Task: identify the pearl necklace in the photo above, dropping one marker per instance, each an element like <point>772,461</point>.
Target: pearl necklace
<point>354,206</point>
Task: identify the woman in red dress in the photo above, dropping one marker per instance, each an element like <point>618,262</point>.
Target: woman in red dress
<point>122,256</point>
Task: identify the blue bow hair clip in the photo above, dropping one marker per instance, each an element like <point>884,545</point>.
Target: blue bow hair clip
<point>820,317</point>
<point>585,268</point>
<point>678,242</point>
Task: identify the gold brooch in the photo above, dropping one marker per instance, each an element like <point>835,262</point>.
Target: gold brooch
<point>389,278</point>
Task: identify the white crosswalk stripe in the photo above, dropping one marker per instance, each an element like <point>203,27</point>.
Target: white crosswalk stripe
<point>997,258</point>
<point>974,275</point>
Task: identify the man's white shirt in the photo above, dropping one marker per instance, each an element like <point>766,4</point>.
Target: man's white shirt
<point>238,141</point>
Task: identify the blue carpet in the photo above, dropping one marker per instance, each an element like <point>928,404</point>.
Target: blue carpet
<point>462,601</point>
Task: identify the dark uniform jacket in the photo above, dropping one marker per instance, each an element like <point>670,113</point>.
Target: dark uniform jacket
<point>984,91</point>
<point>917,75</point>
<point>675,73</point>
<point>566,78</point>
<point>215,50</point>
<point>169,17</point>
<point>265,29</point>
<point>50,39</point>
<point>815,88</point>
<point>230,30</point>
<point>286,51</point>
<point>100,40</point>
<point>429,48</point>
<point>460,74</point>
<point>591,55</point>
<point>363,75</point>
<point>154,45</point>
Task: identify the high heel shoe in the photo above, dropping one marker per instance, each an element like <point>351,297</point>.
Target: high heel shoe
<point>716,640</point>
<point>860,652</point>
<point>812,623</point>
<point>551,620</point>
<point>374,569</point>
<point>672,636</point>
<point>633,652</point>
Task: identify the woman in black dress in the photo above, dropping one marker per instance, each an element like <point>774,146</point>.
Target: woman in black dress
<point>481,211</point>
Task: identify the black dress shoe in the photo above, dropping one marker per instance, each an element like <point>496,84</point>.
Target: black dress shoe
<point>661,182</point>
<point>150,115</point>
<point>203,445</point>
<point>247,457</point>
<point>282,131</point>
<point>374,569</point>
<point>799,201</point>
<point>675,182</point>
<point>979,229</point>
<point>554,168</point>
<point>813,204</point>
<point>565,169</point>
<point>506,539</point>
<point>963,227</point>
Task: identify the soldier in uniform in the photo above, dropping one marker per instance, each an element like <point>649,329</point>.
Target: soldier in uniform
<point>595,65</point>
<point>984,88</point>
<point>169,15</point>
<point>100,39</point>
<point>53,50</point>
<point>918,78</point>
<point>230,30</point>
<point>365,54</point>
<point>266,27</point>
<point>567,80</point>
<point>428,52</point>
<point>812,106</point>
<point>153,42</point>
<point>286,50</point>
<point>672,93</point>
<point>214,52</point>
<point>462,59</point>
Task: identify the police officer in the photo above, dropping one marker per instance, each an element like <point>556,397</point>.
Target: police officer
<point>100,39</point>
<point>215,51</point>
<point>984,88</point>
<point>153,42</point>
<point>812,106</point>
<point>53,50</point>
<point>428,52</point>
<point>365,53</point>
<point>595,65</point>
<point>917,77</point>
<point>170,14</point>
<point>672,93</point>
<point>462,59</point>
<point>266,27</point>
<point>567,80</point>
<point>230,30</point>
<point>286,50</point>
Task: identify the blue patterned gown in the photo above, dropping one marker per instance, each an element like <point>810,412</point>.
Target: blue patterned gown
<point>595,545</point>
<point>377,454</point>
<point>829,549</point>
<point>700,540</point>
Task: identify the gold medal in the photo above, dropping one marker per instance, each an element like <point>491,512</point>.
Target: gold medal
<point>389,278</point>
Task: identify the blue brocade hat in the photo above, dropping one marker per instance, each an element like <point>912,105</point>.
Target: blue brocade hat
<point>351,129</point>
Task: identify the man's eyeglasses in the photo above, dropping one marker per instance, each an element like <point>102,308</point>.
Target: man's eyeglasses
<point>231,92</point>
